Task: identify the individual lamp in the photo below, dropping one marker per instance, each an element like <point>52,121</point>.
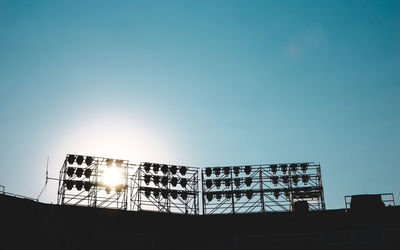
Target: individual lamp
<point>237,182</point>
<point>218,196</point>
<point>147,192</point>
<point>276,194</point>
<point>273,168</point>
<point>208,171</point>
<point>71,159</point>
<point>174,194</point>
<point>88,160</point>
<point>247,170</point>
<point>286,193</point>
<point>183,182</point>
<point>79,185</point>
<point>228,195</point>
<point>108,189</point>
<point>285,179</point>
<point>164,181</point>
<point>147,166</point>
<point>109,162</point>
<point>79,172</point>
<point>248,181</point>
<point>227,182</point>
<point>174,181</point>
<point>209,196</point>
<point>236,171</point>
<point>156,167</point>
<point>88,173</point>
<point>249,194</point>
<point>304,167</point>
<point>156,179</point>
<point>69,184</point>
<point>156,193</point>
<point>295,179</point>
<point>183,170</point>
<point>208,183</point>
<point>70,171</point>
<point>284,168</point>
<point>87,185</point>
<point>164,169</point>
<point>217,171</point>
<point>218,183</point>
<point>305,178</point>
<point>173,169</point>
<point>118,188</point>
<point>164,193</point>
<point>147,179</point>
<point>184,195</point>
<point>226,171</point>
<point>79,160</point>
<point>238,195</point>
<point>293,167</point>
<point>275,180</point>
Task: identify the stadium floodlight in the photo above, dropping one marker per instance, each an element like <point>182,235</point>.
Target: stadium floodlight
<point>147,167</point>
<point>183,182</point>
<point>118,188</point>
<point>79,172</point>
<point>247,170</point>
<point>164,181</point>
<point>108,189</point>
<point>218,183</point>
<point>227,182</point>
<point>275,180</point>
<point>208,172</point>
<point>164,169</point>
<point>248,181</point>
<point>174,181</point>
<point>218,196</point>
<point>69,184</point>
<point>226,171</point>
<point>183,170</point>
<point>228,195</point>
<point>303,167</point>
<point>209,196</point>
<point>156,193</point>
<point>109,162</point>
<point>79,160</point>
<point>147,179</point>
<point>276,194</point>
<point>286,193</point>
<point>70,171</point>
<point>238,195</point>
<point>305,178</point>
<point>184,195</point>
<point>273,168</point>
<point>208,183</point>
<point>236,171</point>
<point>174,194</point>
<point>88,173</point>
<point>118,163</point>
<point>87,185</point>
<point>284,168</point>
<point>88,160</point>
<point>79,185</point>
<point>156,180</point>
<point>71,159</point>
<point>164,193</point>
<point>293,167</point>
<point>237,182</point>
<point>285,179</point>
<point>249,194</point>
<point>217,171</point>
<point>147,192</point>
<point>173,169</point>
<point>156,167</point>
<point>295,179</point>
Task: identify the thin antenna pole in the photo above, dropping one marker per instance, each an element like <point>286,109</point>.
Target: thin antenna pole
<point>47,178</point>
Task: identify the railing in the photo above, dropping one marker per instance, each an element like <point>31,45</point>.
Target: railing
<point>3,191</point>
<point>387,199</point>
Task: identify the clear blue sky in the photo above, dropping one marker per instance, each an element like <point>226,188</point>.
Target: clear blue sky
<point>202,83</point>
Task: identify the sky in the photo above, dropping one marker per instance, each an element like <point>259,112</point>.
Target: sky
<point>202,83</point>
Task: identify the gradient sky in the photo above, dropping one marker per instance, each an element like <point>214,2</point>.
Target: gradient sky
<point>202,83</point>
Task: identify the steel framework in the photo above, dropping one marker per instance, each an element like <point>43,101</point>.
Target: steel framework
<point>93,182</point>
<point>261,188</point>
<point>165,188</point>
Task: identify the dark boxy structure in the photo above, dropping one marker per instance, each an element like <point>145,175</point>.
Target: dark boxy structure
<point>27,224</point>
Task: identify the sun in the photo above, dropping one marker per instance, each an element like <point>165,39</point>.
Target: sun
<point>112,176</point>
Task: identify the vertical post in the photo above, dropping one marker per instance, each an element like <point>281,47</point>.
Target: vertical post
<point>233,195</point>
<point>202,192</point>
<point>261,191</point>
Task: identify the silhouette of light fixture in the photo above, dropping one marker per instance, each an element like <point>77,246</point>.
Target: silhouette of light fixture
<point>164,169</point>
<point>88,173</point>
<point>164,181</point>
<point>276,194</point>
<point>284,168</point>
<point>238,195</point>
<point>273,168</point>
<point>293,167</point>
<point>218,183</point>
<point>247,170</point>
<point>249,194</point>
<point>183,170</point>
<point>79,160</point>
<point>147,192</point>
<point>218,196</point>
<point>79,172</point>
<point>226,171</point>
<point>184,195</point>
<point>156,179</point>
<point>248,181</point>
<point>156,167</point>
<point>109,162</point>
<point>174,181</point>
<point>305,178</point>
<point>295,179</point>
<point>217,171</point>
<point>228,195</point>
<point>118,163</point>
<point>304,167</point>
<point>88,160</point>
<point>156,193</point>
<point>285,179</point>
<point>87,185</point>
<point>71,159</point>
<point>70,171</point>
<point>227,182</point>
<point>164,193</point>
<point>183,182</point>
<point>118,188</point>
<point>236,171</point>
<point>173,169</point>
<point>147,167</point>
<point>286,193</point>
<point>108,189</point>
<point>147,179</point>
<point>275,180</point>
<point>237,182</point>
<point>208,183</point>
<point>208,172</point>
<point>209,196</point>
<point>174,194</point>
<point>69,184</point>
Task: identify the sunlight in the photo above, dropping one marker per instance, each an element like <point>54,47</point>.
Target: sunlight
<point>112,176</point>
